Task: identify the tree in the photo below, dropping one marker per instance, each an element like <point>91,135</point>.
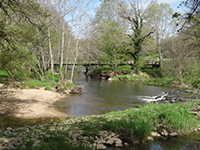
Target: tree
<point>160,19</point>
<point>179,51</point>
<point>111,29</point>
<point>136,18</point>
<point>15,16</point>
<point>191,13</point>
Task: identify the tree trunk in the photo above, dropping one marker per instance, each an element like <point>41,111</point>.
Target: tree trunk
<point>41,78</point>
<point>40,69</point>
<point>159,50</point>
<point>50,52</point>
<point>44,64</point>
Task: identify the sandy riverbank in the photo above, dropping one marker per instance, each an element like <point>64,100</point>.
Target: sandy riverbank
<point>30,103</point>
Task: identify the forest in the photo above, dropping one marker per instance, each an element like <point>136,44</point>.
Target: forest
<point>37,34</point>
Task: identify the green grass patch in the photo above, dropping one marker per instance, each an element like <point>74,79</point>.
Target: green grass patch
<point>166,81</point>
<point>132,77</point>
<point>125,68</point>
<point>56,142</point>
<point>38,83</point>
<point>48,88</point>
<point>139,123</point>
<point>153,72</point>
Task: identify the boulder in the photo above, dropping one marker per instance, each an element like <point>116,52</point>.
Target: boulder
<point>164,132</point>
<point>77,90</point>
<point>173,134</point>
<point>100,146</point>
<point>155,134</point>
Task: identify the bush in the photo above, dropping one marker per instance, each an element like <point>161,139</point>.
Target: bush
<point>48,88</point>
<point>166,81</point>
<point>125,68</point>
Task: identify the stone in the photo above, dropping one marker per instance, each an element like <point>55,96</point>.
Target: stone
<point>5,140</point>
<point>164,132</point>
<point>118,144</point>
<point>149,138</point>
<point>9,129</point>
<point>7,132</point>
<point>173,134</point>
<point>103,133</point>
<point>110,142</point>
<point>155,134</point>
<point>100,146</point>
<point>173,101</point>
<point>102,141</point>
<point>117,140</point>
<point>126,144</point>
<point>181,99</point>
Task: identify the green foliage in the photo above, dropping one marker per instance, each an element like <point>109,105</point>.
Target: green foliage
<point>125,68</point>
<point>70,85</point>
<point>55,142</point>
<point>140,64</point>
<point>153,72</point>
<point>166,81</point>
<point>176,116</point>
<point>89,130</point>
<point>106,68</point>
<point>96,71</point>
<point>48,88</point>
<point>191,74</point>
<point>130,129</point>
<point>38,83</point>
<point>132,77</point>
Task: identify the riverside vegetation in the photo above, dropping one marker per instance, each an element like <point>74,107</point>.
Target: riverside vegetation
<point>96,132</point>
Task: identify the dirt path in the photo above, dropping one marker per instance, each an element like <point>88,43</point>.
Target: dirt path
<point>31,103</point>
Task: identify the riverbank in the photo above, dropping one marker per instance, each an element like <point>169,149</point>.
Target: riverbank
<point>121,128</point>
<point>30,103</point>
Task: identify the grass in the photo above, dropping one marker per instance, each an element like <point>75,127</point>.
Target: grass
<point>131,125</point>
<point>37,83</point>
<point>48,88</point>
<point>166,81</point>
<point>139,123</point>
<point>56,142</point>
<point>132,77</point>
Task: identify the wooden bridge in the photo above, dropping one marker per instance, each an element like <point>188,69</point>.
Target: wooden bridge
<point>153,63</point>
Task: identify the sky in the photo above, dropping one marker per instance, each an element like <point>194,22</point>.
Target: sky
<point>173,3</point>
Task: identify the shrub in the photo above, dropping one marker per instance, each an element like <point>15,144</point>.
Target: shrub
<point>48,88</point>
<point>166,81</point>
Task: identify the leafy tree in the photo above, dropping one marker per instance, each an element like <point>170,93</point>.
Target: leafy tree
<point>111,29</point>
<point>191,12</point>
<point>160,19</point>
<point>136,18</point>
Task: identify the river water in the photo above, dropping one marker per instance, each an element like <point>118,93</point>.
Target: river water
<point>103,96</point>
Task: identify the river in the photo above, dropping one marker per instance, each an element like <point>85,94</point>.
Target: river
<point>103,96</point>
